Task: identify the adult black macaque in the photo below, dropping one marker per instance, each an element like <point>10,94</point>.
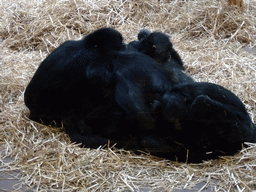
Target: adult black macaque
<point>157,45</point>
<point>204,118</point>
<point>213,118</point>
<point>80,79</point>
<point>74,78</point>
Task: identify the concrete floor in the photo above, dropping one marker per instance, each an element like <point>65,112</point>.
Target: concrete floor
<point>10,182</point>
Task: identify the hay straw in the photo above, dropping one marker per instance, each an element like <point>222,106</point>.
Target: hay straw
<point>209,35</point>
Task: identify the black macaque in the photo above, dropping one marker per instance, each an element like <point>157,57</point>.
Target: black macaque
<point>74,78</point>
<point>189,122</point>
<point>100,90</point>
<point>158,46</point>
<point>203,119</point>
<point>135,45</point>
<point>93,80</point>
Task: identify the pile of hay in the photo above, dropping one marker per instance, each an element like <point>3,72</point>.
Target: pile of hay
<point>209,35</point>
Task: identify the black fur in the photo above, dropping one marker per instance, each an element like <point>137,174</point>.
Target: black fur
<point>204,118</point>
<point>96,80</point>
<point>137,97</point>
<point>73,79</point>
<point>158,46</point>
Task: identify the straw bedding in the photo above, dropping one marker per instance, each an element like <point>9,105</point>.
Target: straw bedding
<point>209,35</point>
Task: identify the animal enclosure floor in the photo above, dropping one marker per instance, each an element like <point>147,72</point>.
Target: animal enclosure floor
<point>9,181</point>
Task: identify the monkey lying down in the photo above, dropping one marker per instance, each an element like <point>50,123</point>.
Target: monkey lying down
<point>138,97</point>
